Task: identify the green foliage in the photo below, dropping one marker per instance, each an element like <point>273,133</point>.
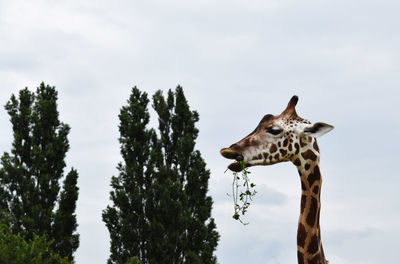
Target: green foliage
<point>161,212</point>
<point>242,193</point>
<point>134,260</point>
<point>31,200</point>
<point>14,249</point>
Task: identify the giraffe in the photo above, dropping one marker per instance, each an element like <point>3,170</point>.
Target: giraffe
<point>288,137</point>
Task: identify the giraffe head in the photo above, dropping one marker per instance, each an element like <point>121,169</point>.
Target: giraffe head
<point>276,139</point>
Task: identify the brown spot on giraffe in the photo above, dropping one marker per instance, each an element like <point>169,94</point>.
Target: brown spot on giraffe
<point>312,213</point>
<point>273,149</point>
<point>303,142</point>
<point>315,145</point>
<point>283,152</point>
<point>313,245</point>
<point>285,142</point>
<point>316,189</point>
<point>314,176</point>
<point>301,235</point>
<point>307,166</point>
<point>309,155</point>
<point>300,257</point>
<point>316,260</point>
<point>297,147</point>
<point>303,203</point>
<point>297,162</point>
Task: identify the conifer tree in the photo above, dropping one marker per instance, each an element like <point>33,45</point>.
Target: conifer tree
<point>32,200</point>
<point>161,212</point>
<point>126,220</point>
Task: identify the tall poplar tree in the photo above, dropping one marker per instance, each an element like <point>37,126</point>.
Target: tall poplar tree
<point>126,220</point>
<point>161,212</point>
<point>33,202</point>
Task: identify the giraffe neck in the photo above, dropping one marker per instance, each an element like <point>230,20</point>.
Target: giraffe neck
<point>309,245</point>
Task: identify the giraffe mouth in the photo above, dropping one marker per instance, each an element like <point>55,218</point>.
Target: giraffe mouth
<point>232,154</point>
<point>235,166</point>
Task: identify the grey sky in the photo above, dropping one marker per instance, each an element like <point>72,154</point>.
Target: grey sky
<point>236,60</point>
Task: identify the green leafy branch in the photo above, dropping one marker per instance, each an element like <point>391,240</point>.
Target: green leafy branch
<point>242,192</point>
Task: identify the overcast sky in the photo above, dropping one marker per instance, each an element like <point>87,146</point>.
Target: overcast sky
<point>236,60</point>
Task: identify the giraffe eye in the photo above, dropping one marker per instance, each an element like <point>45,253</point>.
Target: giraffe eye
<point>274,130</point>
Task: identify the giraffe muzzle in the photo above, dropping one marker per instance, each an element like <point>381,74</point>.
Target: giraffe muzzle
<point>232,154</point>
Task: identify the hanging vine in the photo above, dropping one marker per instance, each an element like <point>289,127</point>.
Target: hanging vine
<point>242,192</point>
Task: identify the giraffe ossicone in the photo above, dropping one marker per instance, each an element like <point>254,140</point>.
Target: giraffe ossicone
<point>288,137</point>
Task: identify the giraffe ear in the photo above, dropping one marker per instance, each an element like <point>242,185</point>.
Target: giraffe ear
<point>317,129</point>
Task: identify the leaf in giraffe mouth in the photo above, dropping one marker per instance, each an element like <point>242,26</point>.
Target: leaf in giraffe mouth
<point>242,193</point>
